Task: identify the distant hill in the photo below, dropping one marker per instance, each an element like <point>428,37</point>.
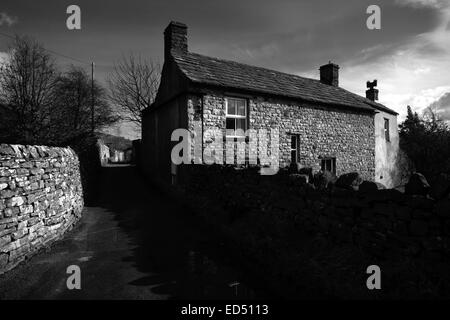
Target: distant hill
<point>115,142</point>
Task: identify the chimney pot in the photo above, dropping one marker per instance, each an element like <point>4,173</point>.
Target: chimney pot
<point>329,74</point>
<point>175,38</point>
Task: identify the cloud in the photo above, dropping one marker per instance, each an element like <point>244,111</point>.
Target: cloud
<point>4,57</point>
<point>414,73</point>
<point>423,3</point>
<point>6,19</point>
<point>297,36</point>
<point>442,106</point>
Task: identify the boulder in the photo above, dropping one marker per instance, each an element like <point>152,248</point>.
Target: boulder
<point>441,187</point>
<point>417,185</point>
<point>324,179</point>
<point>349,181</point>
<point>370,186</point>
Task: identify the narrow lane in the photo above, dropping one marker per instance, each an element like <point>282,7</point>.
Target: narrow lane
<point>137,244</point>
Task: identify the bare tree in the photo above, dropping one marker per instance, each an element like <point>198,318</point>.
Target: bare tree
<point>133,86</point>
<point>40,105</point>
<point>27,88</point>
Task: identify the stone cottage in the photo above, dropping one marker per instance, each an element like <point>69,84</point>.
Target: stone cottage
<point>320,124</point>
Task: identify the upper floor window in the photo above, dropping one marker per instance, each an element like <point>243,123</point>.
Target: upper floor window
<point>386,129</point>
<point>236,117</point>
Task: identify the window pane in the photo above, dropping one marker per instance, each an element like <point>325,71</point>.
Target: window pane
<point>240,107</point>
<point>241,124</point>
<point>231,106</point>
<point>293,156</point>
<point>231,124</point>
<point>240,127</point>
<point>386,129</point>
<point>328,165</point>
<point>294,142</point>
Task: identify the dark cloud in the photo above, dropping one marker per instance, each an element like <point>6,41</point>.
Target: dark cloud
<point>287,35</point>
<point>320,34</point>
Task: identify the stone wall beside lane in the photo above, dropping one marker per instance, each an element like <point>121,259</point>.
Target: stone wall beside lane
<point>383,223</point>
<point>41,197</point>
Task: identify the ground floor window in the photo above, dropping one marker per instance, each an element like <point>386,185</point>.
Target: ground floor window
<point>329,164</point>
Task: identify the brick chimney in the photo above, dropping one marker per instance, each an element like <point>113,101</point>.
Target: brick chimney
<point>372,92</point>
<point>329,74</point>
<point>175,38</point>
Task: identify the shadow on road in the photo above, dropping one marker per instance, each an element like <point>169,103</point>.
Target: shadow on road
<point>179,257</point>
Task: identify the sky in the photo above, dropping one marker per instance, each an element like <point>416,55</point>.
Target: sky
<point>409,55</point>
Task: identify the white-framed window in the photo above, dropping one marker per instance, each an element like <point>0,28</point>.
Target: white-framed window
<point>236,117</point>
<point>386,130</point>
<point>295,148</point>
<point>328,164</point>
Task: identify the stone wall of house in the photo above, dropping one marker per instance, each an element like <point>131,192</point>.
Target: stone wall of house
<point>324,132</point>
<point>41,197</point>
<point>384,223</point>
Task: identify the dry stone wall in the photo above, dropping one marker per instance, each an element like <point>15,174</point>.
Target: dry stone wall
<point>384,223</point>
<point>41,197</point>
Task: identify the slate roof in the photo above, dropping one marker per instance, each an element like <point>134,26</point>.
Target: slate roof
<point>229,74</point>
